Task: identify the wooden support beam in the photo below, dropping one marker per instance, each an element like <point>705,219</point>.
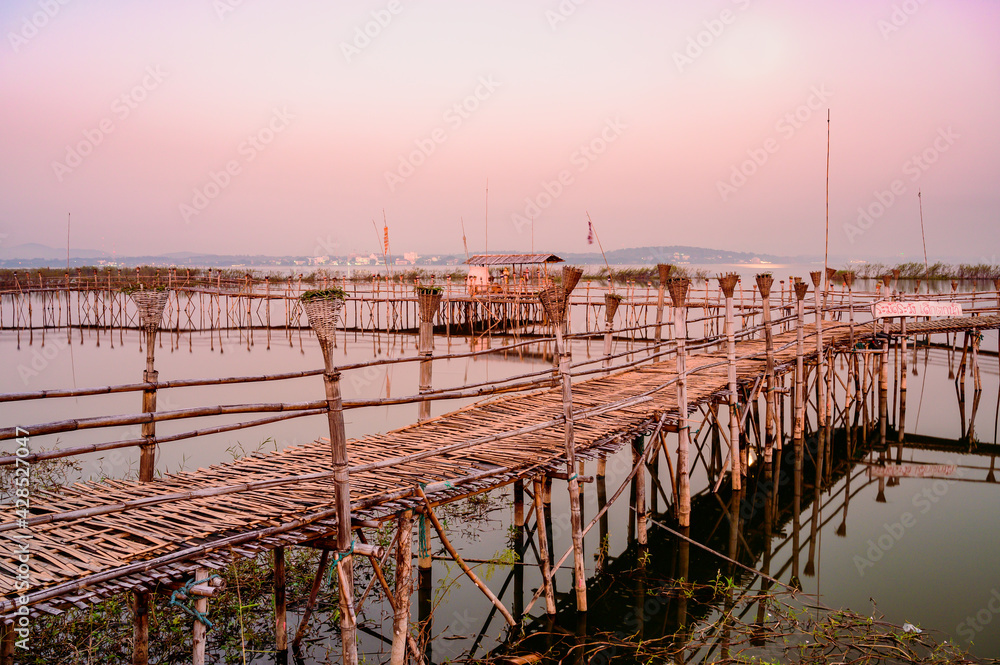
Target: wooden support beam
<point>543,551</point>
<point>280,606</point>
<point>199,637</point>
<point>458,559</point>
<point>404,588</point>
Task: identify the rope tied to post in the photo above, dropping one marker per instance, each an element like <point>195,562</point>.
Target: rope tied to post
<point>336,561</point>
<point>189,608</point>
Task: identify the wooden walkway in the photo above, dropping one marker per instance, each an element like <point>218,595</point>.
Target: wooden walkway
<point>92,540</point>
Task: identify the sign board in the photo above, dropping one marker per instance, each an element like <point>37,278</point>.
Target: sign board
<point>892,308</point>
<point>911,470</point>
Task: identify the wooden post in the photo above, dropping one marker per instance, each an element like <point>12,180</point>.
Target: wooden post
<point>322,315</point>
<point>678,294</point>
<point>902,382</point>
<point>638,458</point>
<point>404,588</point>
<point>764,282</point>
<point>556,303</point>
<point>820,356</point>
<point>519,548</point>
<point>799,408</point>
<point>664,271</point>
<point>424,581</point>
<point>199,637</point>
<point>543,551</point>
<point>150,306</point>
<point>728,284</point>
<point>429,300</point>
<point>611,302</point>
<point>280,606</point>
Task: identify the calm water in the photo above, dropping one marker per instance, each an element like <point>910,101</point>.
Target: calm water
<point>927,554</point>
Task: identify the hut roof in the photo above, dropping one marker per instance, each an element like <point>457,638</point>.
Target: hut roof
<point>511,259</point>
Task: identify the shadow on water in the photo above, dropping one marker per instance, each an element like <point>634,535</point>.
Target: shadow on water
<point>730,586</point>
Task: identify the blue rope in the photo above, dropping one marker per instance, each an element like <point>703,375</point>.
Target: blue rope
<point>336,561</point>
<point>186,591</point>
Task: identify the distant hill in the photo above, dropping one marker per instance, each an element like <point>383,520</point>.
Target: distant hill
<point>34,255</point>
<point>678,254</point>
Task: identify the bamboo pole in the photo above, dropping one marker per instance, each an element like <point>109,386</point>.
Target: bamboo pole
<point>728,284</point>
<point>820,356</point>
<point>764,283</point>
<point>429,511</point>
<point>678,293</point>
<point>799,408</point>
<point>404,587</point>
<point>543,550</point>
<point>322,316</point>
<point>280,606</point>
<point>199,637</point>
<point>611,302</point>
<point>664,273</point>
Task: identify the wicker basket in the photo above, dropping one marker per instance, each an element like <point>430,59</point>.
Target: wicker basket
<point>611,302</point>
<point>727,283</point>
<point>816,277</point>
<point>764,282</point>
<point>322,315</point>
<point>429,303</point>
<point>554,302</point>
<point>664,270</point>
<point>570,276</point>
<point>848,278</point>
<point>150,305</point>
<point>678,287</point>
<point>800,289</point>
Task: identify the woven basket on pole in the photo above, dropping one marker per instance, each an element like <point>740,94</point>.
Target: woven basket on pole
<point>816,276</point>
<point>322,314</point>
<point>886,279</point>
<point>830,274</point>
<point>996,283</point>
<point>150,305</point>
<point>848,278</point>
<point>727,283</point>
<point>554,302</point>
<point>570,276</point>
<point>429,302</point>
<point>678,287</point>
<point>800,289</point>
<point>611,302</point>
<point>764,282</point>
<point>664,270</point>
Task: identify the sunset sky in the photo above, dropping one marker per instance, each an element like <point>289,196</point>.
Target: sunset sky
<point>259,126</point>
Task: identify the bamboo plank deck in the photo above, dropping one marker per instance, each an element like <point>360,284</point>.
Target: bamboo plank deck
<point>82,560</point>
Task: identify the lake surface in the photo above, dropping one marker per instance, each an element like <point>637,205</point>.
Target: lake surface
<point>924,549</point>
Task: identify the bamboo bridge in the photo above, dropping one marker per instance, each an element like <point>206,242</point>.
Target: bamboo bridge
<point>84,543</point>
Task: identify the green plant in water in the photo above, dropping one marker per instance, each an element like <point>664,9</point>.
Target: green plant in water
<point>332,293</point>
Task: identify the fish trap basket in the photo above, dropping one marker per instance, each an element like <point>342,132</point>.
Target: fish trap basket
<point>150,305</point>
<point>664,270</point>
<point>678,288</point>
<point>727,283</point>
<point>611,302</point>
<point>764,282</point>
<point>570,276</point>
<point>849,279</point>
<point>554,303</point>
<point>322,315</point>
<point>429,303</point>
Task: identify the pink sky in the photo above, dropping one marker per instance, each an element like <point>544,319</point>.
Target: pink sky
<point>321,131</point>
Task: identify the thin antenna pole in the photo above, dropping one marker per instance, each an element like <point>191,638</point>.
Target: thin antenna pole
<point>826,250</point>
<point>487,219</point>
<point>920,202</point>
<point>67,240</point>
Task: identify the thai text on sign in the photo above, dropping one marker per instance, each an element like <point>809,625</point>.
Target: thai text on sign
<point>889,308</point>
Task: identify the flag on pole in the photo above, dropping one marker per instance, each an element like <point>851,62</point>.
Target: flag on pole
<point>590,233</point>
